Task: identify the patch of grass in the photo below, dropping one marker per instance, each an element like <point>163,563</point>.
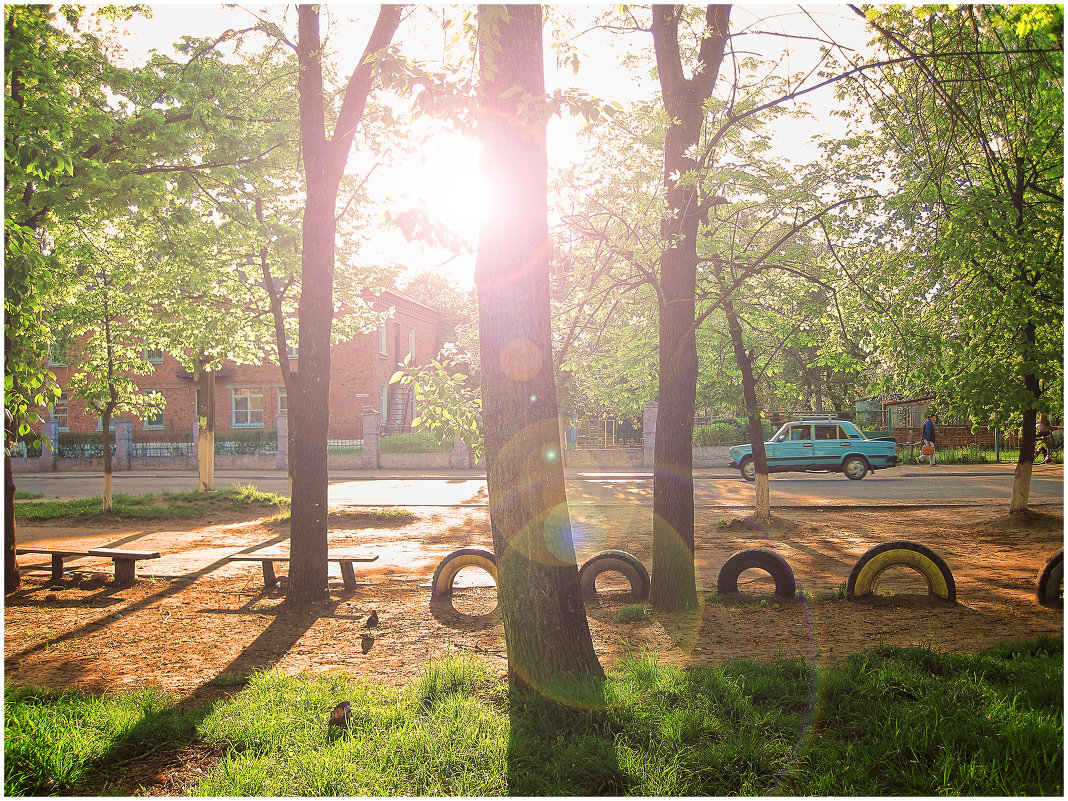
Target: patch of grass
<point>890,722</point>
<point>153,506</point>
<point>55,741</point>
<point>23,495</point>
<point>414,442</point>
<point>633,613</point>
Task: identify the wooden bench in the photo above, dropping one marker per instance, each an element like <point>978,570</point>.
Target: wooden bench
<point>348,573</point>
<point>125,561</point>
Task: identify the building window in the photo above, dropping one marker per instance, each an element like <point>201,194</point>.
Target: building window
<point>411,343</point>
<point>248,407</point>
<point>153,355</point>
<point>291,352</point>
<point>283,403</point>
<point>382,339</point>
<point>59,413</point>
<point>57,354</point>
<point>153,420</point>
<point>384,401</point>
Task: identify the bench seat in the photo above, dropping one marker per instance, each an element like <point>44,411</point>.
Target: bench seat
<point>270,579</point>
<point>125,561</point>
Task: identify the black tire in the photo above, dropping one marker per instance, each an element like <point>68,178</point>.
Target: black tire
<point>855,467</point>
<point>748,469</point>
<point>927,563</point>
<point>445,574</point>
<point>760,559</point>
<point>1051,582</point>
<point>617,561</point>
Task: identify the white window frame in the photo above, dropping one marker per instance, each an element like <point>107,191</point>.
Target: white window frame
<point>152,421</point>
<point>62,423</point>
<point>153,355</point>
<point>248,395</point>
<point>383,398</point>
<point>282,402</point>
<point>382,351</point>
<point>411,343</point>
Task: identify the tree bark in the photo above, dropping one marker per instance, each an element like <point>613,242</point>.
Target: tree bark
<point>1021,483</point>
<point>12,577</point>
<point>309,412</point>
<point>546,632</point>
<point>674,583</point>
<point>762,507</point>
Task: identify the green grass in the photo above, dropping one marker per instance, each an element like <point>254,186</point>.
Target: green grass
<point>152,506</point>
<point>633,613</point>
<point>22,495</point>
<point>415,442</point>
<point>891,721</point>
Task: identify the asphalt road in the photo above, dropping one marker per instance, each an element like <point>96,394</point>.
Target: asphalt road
<point>968,484</point>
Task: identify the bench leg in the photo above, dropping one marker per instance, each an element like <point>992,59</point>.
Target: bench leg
<point>348,575</point>
<point>57,568</point>
<point>125,572</point>
<point>269,578</point>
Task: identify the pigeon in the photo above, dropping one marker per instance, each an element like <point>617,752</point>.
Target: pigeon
<point>341,715</point>
<point>372,621</point>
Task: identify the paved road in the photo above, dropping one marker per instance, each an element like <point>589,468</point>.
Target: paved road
<point>716,487</point>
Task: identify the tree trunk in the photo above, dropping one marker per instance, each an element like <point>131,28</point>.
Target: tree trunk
<point>1021,483</point>
<point>309,411</point>
<point>674,583</point>
<point>762,508</point>
<point>206,428</point>
<point>12,578</point>
<point>105,438</point>
<point>546,632</point>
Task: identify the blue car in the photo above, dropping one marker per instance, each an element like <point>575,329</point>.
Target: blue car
<point>823,445</point>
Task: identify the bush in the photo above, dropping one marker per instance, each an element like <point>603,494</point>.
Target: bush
<point>415,442</point>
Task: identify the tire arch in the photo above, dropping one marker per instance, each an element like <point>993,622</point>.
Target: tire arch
<point>618,562</point>
<point>902,553</point>
<point>1051,581</point>
<point>445,574</point>
<point>760,559</point>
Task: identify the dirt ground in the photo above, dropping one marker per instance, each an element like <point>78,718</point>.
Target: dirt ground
<point>196,620</point>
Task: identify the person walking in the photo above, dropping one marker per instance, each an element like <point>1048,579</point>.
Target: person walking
<point>928,437</point>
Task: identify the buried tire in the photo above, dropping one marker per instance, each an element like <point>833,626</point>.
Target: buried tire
<point>1051,582</point>
<point>445,574</point>
<point>759,559</point>
<point>901,553</point>
<point>617,562</point>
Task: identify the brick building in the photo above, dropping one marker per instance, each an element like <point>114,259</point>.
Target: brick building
<point>254,396</point>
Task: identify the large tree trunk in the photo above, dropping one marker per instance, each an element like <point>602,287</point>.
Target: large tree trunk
<point>545,627</point>
<point>105,438</point>
<point>762,508</point>
<point>674,584</point>
<point>309,412</point>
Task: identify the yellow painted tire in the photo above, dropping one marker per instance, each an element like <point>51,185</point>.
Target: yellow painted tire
<point>445,574</point>
<point>1051,582</point>
<point>866,572</point>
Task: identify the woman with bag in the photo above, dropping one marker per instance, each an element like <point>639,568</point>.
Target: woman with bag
<point>927,451</point>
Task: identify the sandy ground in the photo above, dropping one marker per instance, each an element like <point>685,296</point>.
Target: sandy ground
<point>194,618</point>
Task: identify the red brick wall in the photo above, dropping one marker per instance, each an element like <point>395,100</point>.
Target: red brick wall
<point>357,373</point>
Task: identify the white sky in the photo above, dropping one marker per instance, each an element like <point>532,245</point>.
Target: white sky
<point>445,176</point>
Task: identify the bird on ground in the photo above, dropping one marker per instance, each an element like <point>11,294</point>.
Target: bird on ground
<point>372,621</point>
<point>342,715</point>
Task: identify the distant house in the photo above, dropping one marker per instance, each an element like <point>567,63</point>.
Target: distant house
<point>254,396</point>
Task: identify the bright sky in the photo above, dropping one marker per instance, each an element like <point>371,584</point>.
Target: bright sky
<point>443,175</point>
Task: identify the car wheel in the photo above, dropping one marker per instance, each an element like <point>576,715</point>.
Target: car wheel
<point>748,469</point>
<point>761,559</point>
<point>923,560</point>
<point>855,468</point>
<point>441,584</point>
<point>1051,582</point>
<point>620,562</point>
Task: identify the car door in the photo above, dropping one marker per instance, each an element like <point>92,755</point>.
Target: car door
<point>792,448</point>
<point>830,445</point>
